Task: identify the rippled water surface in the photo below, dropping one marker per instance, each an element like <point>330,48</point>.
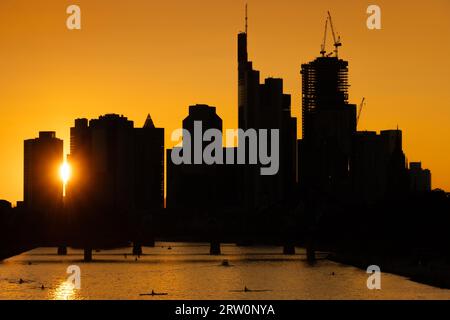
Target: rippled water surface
<point>187,271</point>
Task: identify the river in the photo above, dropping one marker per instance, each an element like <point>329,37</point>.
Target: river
<point>187,271</point>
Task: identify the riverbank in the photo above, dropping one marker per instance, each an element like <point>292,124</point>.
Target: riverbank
<point>6,253</point>
<point>433,272</point>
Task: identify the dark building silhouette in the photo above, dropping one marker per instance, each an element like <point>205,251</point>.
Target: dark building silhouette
<point>209,120</point>
<point>199,187</point>
<point>118,173</point>
<point>379,166</point>
<point>5,209</point>
<point>329,125</point>
<point>265,106</point>
<point>395,159</point>
<point>43,187</point>
<point>5,205</point>
<point>336,161</point>
<point>5,213</point>
<point>149,160</point>
<point>346,178</point>
<point>420,179</point>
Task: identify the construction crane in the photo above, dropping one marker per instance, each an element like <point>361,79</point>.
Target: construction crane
<point>337,40</point>
<point>361,106</point>
<point>323,51</point>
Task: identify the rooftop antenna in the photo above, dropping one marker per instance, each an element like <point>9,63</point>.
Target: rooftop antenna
<point>246,18</point>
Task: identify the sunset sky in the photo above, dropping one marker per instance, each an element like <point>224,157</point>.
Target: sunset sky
<point>136,57</point>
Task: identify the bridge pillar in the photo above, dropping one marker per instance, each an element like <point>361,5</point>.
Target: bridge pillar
<point>87,254</point>
<point>289,249</point>
<point>62,251</point>
<point>137,249</point>
<point>150,243</point>
<point>310,254</point>
<point>214,248</point>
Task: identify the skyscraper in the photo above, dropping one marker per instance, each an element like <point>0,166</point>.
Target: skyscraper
<point>43,187</point>
<point>378,166</point>
<point>149,159</point>
<point>420,179</point>
<point>329,125</point>
<point>207,116</point>
<point>266,106</point>
<point>196,186</point>
<point>118,173</point>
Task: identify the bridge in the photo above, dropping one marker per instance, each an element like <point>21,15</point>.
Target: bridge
<point>174,226</point>
<point>136,248</point>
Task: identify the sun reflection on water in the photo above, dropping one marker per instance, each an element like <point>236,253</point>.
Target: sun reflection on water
<point>65,291</point>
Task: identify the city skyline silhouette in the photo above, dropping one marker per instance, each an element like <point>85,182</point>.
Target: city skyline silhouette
<point>318,174</point>
<point>118,169</point>
<point>62,94</point>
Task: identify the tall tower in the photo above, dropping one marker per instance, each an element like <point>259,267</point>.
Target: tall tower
<point>248,84</point>
<point>149,167</point>
<point>324,87</point>
<point>265,106</point>
<point>196,186</point>
<point>209,120</point>
<point>118,175</point>
<point>43,188</point>
<point>248,89</point>
<point>329,125</point>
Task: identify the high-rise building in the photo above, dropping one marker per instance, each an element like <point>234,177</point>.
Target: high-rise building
<point>208,118</point>
<point>149,159</point>
<point>395,161</point>
<point>5,209</point>
<point>336,160</point>
<point>43,187</point>
<point>266,106</point>
<point>118,172</point>
<point>329,125</point>
<point>378,166</point>
<point>324,87</point>
<point>419,178</point>
<point>195,186</point>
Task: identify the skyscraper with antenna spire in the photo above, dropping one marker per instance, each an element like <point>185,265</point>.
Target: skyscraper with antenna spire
<point>248,81</point>
<point>265,106</point>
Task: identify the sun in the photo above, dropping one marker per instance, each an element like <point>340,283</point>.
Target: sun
<point>64,172</point>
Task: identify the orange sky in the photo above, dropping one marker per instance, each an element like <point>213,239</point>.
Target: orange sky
<point>145,56</point>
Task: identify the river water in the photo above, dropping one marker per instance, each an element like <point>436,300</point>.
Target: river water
<point>187,271</point>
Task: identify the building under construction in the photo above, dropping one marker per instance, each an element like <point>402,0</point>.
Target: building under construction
<point>329,124</point>
<point>336,161</point>
<point>324,87</point>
